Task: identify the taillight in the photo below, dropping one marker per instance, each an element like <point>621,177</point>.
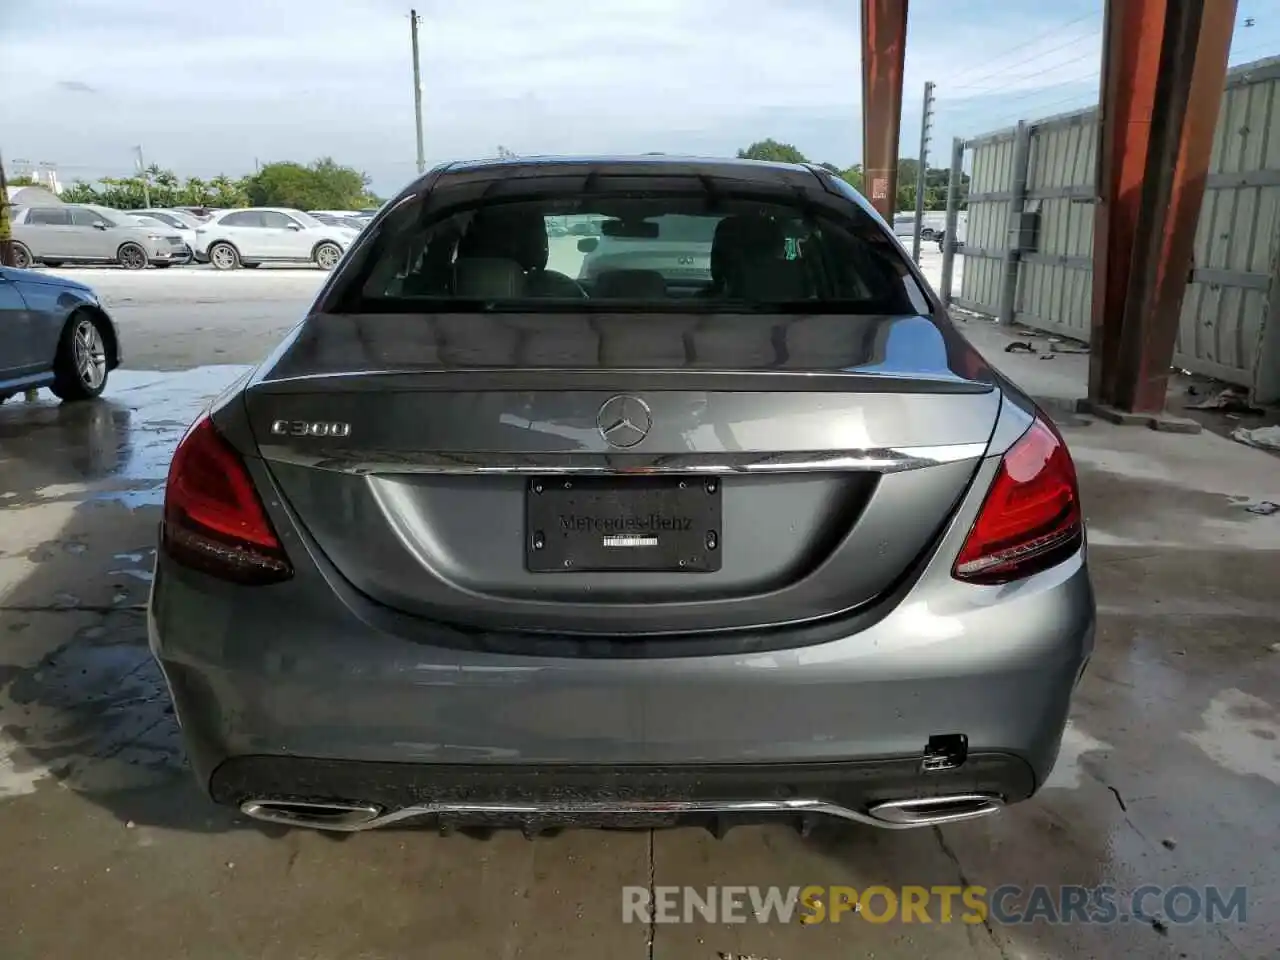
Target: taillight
<point>1031,517</point>
<point>213,519</point>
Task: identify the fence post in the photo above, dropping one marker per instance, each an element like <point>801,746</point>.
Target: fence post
<point>1013,242</point>
<point>953,219</point>
<point>922,168</point>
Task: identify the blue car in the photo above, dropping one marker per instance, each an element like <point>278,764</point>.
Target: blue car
<point>53,333</point>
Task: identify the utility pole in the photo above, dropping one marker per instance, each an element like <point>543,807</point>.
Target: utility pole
<point>146,184</point>
<point>926,127</point>
<point>414,19</point>
<point>6,230</point>
<point>953,220</point>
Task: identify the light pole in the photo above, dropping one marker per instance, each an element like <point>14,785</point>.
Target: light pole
<point>414,19</point>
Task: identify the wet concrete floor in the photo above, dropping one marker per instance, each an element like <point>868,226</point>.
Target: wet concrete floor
<point>1170,772</point>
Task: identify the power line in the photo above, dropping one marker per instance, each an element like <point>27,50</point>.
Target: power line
<point>1272,44</point>
<point>1091,55</point>
<point>1030,59</point>
<point>1043,111</point>
<point>968,107</point>
<point>1036,39</point>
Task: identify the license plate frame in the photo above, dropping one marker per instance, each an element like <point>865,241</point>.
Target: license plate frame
<point>642,524</point>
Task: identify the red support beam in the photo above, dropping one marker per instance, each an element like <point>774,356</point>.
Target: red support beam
<point>884,49</point>
<point>1164,65</point>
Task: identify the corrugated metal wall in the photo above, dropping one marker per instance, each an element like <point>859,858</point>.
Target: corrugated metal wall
<point>1055,283</point>
<point>986,239</point>
<point>1231,315</point>
<point>1226,307</point>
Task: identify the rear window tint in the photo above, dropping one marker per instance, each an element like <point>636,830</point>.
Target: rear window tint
<point>651,251</point>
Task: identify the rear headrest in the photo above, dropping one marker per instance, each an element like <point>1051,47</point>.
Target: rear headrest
<point>744,235</point>
<point>511,234</point>
<point>631,285</point>
<point>772,280</point>
<point>487,278</point>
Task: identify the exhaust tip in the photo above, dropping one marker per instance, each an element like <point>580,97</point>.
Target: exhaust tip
<point>318,816</point>
<point>927,811</point>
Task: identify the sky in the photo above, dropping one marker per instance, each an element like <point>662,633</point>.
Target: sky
<point>208,88</point>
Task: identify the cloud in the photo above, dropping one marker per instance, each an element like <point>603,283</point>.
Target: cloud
<point>209,88</point>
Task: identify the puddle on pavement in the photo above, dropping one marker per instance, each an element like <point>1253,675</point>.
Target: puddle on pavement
<point>94,713</point>
<point>1125,511</point>
<point>1241,733</point>
<point>115,448</point>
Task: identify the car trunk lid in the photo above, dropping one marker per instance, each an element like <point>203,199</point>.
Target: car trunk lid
<point>426,455</point>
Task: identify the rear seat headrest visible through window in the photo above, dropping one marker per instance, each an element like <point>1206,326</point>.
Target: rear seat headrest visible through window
<point>738,237</point>
<point>512,234</point>
<point>487,278</point>
<point>630,285</point>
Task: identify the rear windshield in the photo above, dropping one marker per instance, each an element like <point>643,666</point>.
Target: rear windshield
<point>652,252</point>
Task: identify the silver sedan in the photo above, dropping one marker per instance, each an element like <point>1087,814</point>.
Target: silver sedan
<point>483,540</point>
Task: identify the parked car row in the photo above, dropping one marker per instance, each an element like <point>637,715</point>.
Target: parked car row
<point>135,239</point>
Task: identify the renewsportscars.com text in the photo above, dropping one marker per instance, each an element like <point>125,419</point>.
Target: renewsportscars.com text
<point>1004,905</point>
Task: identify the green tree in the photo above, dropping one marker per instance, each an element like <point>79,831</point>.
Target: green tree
<point>936,180</point>
<point>853,176</point>
<point>195,193</point>
<point>319,185</point>
<point>79,192</point>
<point>121,193</point>
<point>772,150</point>
<point>229,193</point>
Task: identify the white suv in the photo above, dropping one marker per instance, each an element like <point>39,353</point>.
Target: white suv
<point>246,238</point>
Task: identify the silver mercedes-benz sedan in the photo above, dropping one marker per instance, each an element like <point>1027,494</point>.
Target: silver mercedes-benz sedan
<point>484,543</point>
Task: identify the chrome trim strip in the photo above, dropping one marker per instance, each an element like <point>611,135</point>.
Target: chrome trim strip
<point>323,816</point>
<point>898,814</point>
<point>878,460</point>
<point>927,811</point>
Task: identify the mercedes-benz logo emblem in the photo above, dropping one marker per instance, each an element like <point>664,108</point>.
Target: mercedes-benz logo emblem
<point>624,421</point>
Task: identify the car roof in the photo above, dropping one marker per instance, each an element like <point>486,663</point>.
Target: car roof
<point>219,214</point>
<point>479,178</point>
<point>761,172</point>
<point>639,163</point>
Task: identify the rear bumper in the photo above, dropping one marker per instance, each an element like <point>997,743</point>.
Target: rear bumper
<point>275,672</point>
<point>551,795</point>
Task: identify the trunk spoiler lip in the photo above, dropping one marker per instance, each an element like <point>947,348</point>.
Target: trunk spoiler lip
<point>388,464</point>
<point>880,353</point>
<point>482,378</point>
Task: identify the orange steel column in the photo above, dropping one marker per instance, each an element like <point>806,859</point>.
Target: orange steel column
<point>1163,68</point>
<point>884,49</point>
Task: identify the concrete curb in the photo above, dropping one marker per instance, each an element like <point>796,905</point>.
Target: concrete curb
<point>1164,422</point>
